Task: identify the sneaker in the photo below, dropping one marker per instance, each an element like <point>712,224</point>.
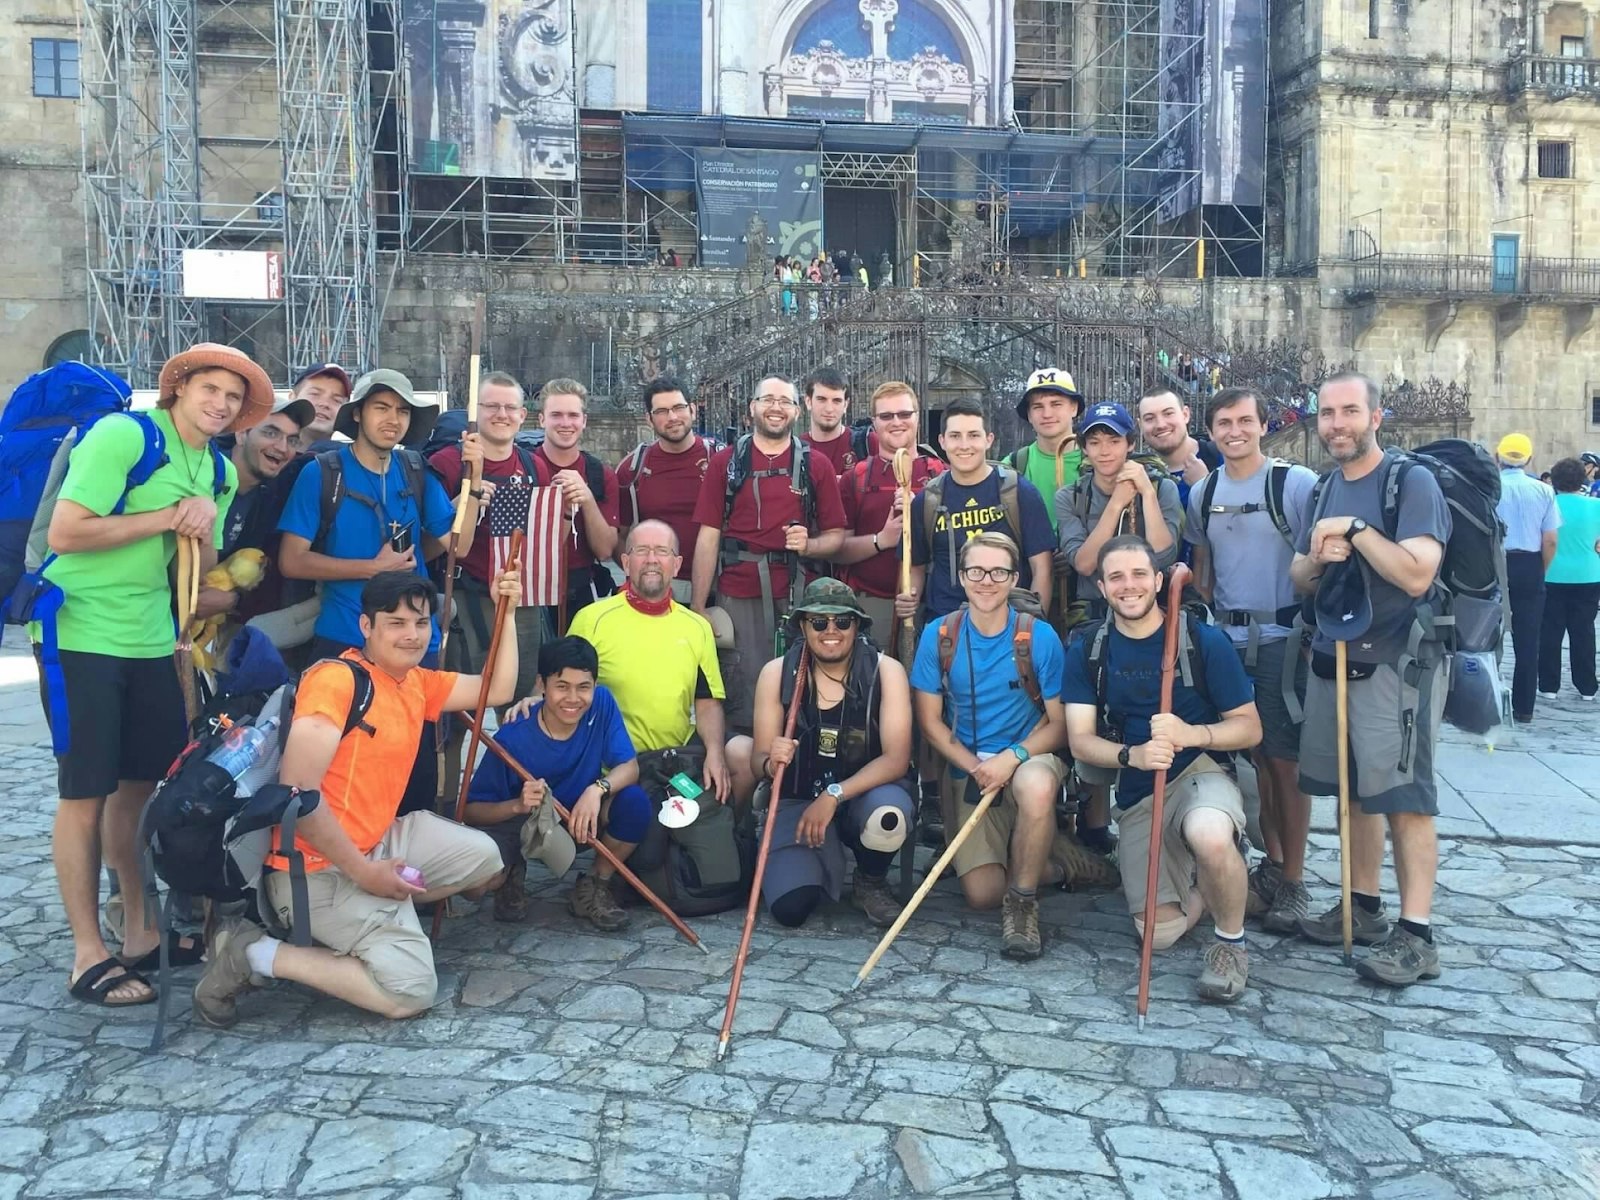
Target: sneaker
<point>227,974</point>
<point>1590,698</point>
<point>593,902</point>
<point>510,901</point>
<point>1265,878</point>
<point>1328,930</point>
<point>875,898</point>
<point>1226,972</point>
<point>1019,928</point>
<point>1400,959</point>
<point>1556,695</point>
<point>1289,907</point>
<point>1080,867</point>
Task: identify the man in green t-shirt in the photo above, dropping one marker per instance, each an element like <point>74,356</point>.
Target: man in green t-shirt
<point>115,639</point>
<point>1051,403</point>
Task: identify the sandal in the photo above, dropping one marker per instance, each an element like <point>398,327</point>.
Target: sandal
<point>178,954</point>
<point>96,984</point>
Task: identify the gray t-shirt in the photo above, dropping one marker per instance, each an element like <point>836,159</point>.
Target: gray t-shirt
<point>1073,530</point>
<point>1422,513</point>
<point>1249,557</point>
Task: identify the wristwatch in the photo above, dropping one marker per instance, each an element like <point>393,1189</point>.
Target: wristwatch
<point>1020,751</point>
<point>604,785</point>
<point>1122,757</point>
<point>836,791</point>
<point>1356,526</point>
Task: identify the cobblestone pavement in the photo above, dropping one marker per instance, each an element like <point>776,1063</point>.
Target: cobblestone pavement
<point>563,1065</point>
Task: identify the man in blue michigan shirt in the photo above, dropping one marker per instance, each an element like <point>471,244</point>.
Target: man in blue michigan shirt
<point>389,514</point>
<point>1120,724</point>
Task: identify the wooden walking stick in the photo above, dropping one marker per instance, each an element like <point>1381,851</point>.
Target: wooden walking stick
<point>471,481</point>
<point>908,625</point>
<point>1341,702</point>
<point>600,847</point>
<point>502,609</point>
<point>1158,794</point>
<point>937,870</point>
<point>187,595</point>
<point>801,678</point>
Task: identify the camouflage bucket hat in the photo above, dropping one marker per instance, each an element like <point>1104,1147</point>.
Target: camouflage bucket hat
<point>829,596</point>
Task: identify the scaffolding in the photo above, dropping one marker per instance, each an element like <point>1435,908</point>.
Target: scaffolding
<point>234,125</point>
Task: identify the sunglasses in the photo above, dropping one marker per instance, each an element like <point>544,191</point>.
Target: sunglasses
<point>843,622</point>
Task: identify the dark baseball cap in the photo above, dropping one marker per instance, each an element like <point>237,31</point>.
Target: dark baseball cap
<point>1107,415</point>
<point>1343,605</point>
<point>333,369</point>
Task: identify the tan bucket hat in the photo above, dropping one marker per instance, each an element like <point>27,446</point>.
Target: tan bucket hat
<point>208,356</point>
<point>545,839</point>
<point>721,627</point>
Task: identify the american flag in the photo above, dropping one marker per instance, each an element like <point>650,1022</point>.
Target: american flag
<point>537,511</point>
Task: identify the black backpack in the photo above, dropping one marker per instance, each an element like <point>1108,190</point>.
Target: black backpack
<point>1277,480</point>
<point>799,473</point>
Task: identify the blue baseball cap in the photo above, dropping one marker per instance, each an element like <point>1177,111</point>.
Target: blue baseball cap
<point>1112,416</point>
<point>1343,603</point>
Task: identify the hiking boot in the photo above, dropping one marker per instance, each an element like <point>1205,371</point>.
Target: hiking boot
<point>1265,878</point>
<point>1226,972</point>
<point>1081,867</point>
<point>930,821</point>
<point>227,973</point>
<point>1019,927</point>
<point>1290,906</point>
<point>1328,929</point>
<point>1400,959</point>
<point>875,898</point>
<point>1098,838</point>
<point>593,902</point>
<point>510,901</point>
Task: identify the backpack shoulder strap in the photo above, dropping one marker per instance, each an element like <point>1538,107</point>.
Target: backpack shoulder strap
<point>151,459</point>
<point>330,469</point>
<point>1018,460</point>
<point>529,461</point>
<point>1022,657</point>
<point>595,475</point>
<point>1396,467</point>
<point>1009,500</point>
<point>738,475</point>
<point>1082,497</point>
<point>800,480</point>
<point>635,462</point>
<point>949,634</point>
<point>1208,492</point>
<point>1277,482</point>
<point>1097,663</point>
<point>360,701</point>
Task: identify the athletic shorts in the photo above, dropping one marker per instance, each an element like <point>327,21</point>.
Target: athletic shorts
<point>385,934</point>
<point>1394,729</point>
<point>1203,784</point>
<point>990,841</point>
<point>1280,736</point>
<point>125,721</point>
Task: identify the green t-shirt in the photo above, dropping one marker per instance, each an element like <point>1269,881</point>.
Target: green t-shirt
<point>1040,470</point>
<point>1576,560</point>
<point>119,601</point>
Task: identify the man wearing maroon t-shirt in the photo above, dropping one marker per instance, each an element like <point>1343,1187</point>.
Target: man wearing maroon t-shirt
<point>770,525</point>
<point>590,489</point>
<point>502,407</point>
<point>827,409</point>
<point>660,480</point>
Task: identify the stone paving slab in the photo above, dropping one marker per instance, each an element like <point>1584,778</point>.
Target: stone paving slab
<point>564,1065</point>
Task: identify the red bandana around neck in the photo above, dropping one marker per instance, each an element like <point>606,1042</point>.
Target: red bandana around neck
<point>650,608</point>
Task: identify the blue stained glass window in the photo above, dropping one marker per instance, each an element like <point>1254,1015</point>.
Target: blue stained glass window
<point>915,27</point>
<point>673,37</point>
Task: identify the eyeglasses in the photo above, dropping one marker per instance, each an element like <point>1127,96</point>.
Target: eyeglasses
<point>775,401</point>
<point>677,410</point>
<point>992,574</point>
<point>652,552</point>
<point>905,414</point>
<point>500,408</point>
<point>271,433</point>
<point>843,622</point>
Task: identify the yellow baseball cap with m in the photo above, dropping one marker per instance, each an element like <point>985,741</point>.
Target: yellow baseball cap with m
<point>1514,448</point>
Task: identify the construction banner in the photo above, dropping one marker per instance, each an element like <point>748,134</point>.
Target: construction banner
<point>757,204</point>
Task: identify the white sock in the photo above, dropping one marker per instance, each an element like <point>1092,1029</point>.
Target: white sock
<point>1231,937</point>
<point>261,955</point>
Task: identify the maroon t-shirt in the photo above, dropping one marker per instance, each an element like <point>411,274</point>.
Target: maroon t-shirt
<point>838,451</point>
<point>579,556</point>
<point>868,494</point>
<point>446,464</point>
<point>779,506</point>
<point>669,487</point>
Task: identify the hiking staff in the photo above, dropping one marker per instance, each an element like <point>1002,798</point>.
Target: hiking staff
<point>908,626</point>
<point>1341,704</point>
<point>1158,794</point>
<point>921,893</point>
<point>563,523</point>
<point>801,676</point>
<point>502,609</point>
<point>600,847</point>
<point>187,595</point>
<point>471,486</point>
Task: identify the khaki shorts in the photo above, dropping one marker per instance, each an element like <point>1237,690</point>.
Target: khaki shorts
<point>385,934</point>
<point>1203,784</point>
<point>990,842</point>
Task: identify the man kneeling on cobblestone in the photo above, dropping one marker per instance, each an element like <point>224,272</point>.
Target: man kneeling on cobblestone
<point>847,769</point>
<point>1213,713</point>
<point>366,869</point>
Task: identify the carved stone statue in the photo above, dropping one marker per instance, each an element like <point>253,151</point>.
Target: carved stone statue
<point>755,244</point>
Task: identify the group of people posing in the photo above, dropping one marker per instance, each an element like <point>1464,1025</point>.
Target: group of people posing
<point>1020,654</point>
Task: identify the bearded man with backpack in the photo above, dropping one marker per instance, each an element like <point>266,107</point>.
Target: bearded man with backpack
<point>660,480</point>
<point>101,607</point>
<point>986,689</point>
<point>1243,523</point>
<point>1371,555</point>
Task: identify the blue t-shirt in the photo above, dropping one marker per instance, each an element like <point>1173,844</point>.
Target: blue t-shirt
<point>360,530</point>
<point>1133,693</point>
<point>1004,713</point>
<point>567,767</point>
<point>970,511</point>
